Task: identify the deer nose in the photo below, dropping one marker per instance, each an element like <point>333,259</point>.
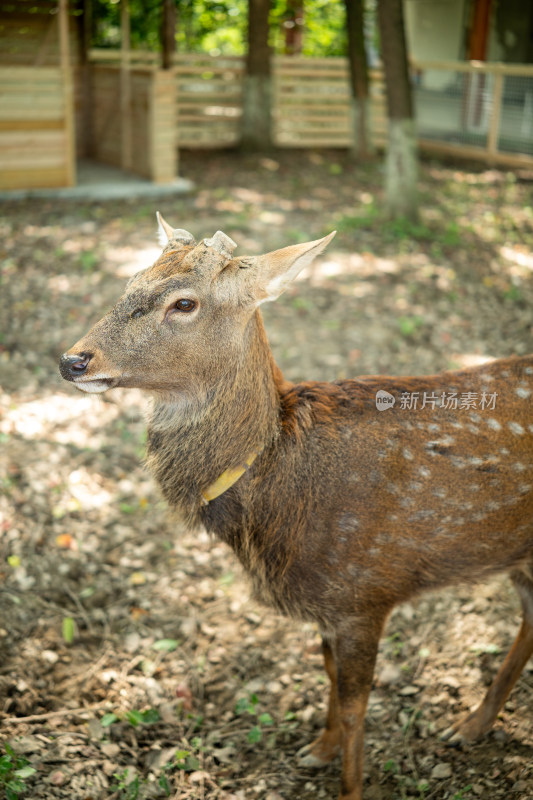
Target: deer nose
<point>71,367</point>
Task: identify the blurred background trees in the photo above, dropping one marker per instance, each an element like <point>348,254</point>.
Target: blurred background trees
<point>257,29</point>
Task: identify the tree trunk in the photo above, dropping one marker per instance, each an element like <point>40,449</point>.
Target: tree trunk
<point>358,77</point>
<point>84,29</point>
<point>168,33</point>
<point>257,86</point>
<point>293,27</point>
<point>401,167</point>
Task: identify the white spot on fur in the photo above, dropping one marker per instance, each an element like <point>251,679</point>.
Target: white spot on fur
<point>494,424</point>
<point>516,428</point>
<point>458,462</point>
<point>407,502</point>
<point>407,454</point>
<point>521,392</point>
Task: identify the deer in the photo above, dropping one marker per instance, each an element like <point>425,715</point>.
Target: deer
<point>341,499</point>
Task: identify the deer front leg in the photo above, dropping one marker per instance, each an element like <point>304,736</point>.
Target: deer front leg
<point>355,657</point>
<point>327,746</point>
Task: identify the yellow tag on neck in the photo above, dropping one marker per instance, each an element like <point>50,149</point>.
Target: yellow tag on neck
<point>227,479</point>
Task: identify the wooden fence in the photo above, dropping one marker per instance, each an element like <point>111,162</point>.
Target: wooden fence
<point>35,128</point>
<point>141,137</point>
<point>473,109</point>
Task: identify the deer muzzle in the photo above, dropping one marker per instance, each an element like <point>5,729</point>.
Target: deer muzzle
<point>74,366</point>
<point>83,370</point>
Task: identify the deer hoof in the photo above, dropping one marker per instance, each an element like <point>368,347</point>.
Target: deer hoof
<point>468,730</point>
<point>453,737</point>
<point>308,756</point>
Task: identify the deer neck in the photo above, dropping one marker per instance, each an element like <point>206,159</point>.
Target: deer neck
<point>194,440</point>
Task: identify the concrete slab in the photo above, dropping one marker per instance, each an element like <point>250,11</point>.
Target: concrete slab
<point>96,181</point>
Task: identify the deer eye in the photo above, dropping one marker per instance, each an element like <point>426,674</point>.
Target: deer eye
<point>137,313</point>
<point>185,305</point>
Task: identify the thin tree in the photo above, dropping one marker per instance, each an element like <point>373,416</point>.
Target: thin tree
<point>401,166</point>
<point>293,27</point>
<point>358,76</point>
<point>256,133</point>
<point>168,33</point>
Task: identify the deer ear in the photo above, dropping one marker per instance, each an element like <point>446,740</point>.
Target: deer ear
<point>279,268</point>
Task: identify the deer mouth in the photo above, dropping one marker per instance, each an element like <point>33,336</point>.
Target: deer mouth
<point>96,384</point>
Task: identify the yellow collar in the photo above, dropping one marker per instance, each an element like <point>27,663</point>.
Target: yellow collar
<point>227,479</point>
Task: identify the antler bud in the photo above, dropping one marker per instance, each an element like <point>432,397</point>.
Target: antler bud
<point>181,235</point>
<point>221,244</point>
<point>170,234</point>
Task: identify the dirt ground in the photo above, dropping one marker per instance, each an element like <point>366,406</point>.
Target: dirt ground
<point>133,663</point>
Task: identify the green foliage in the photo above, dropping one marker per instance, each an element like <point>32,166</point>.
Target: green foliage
<point>219,27</point>
<point>145,23</point>
<point>401,229</point>
<point>13,773</point>
<point>324,28</point>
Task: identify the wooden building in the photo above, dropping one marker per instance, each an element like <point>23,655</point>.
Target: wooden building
<point>57,106</point>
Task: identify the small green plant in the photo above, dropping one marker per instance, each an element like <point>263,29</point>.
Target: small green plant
<point>134,717</point>
<point>13,773</point>
<point>354,222</point>
<point>391,766</point>
<point>409,786</point>
<point>409,325</point>
<point>462,793</point>
<point>68,629</point>
<point>125,788</point>
<point>249,705</point>
<point>88,260</point>
<point>513,294</point>
<point>395,640</point>
<point>401,228</point>
<point>184,760</point>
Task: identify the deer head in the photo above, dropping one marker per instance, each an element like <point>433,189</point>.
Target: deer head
<point>182,321</point>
